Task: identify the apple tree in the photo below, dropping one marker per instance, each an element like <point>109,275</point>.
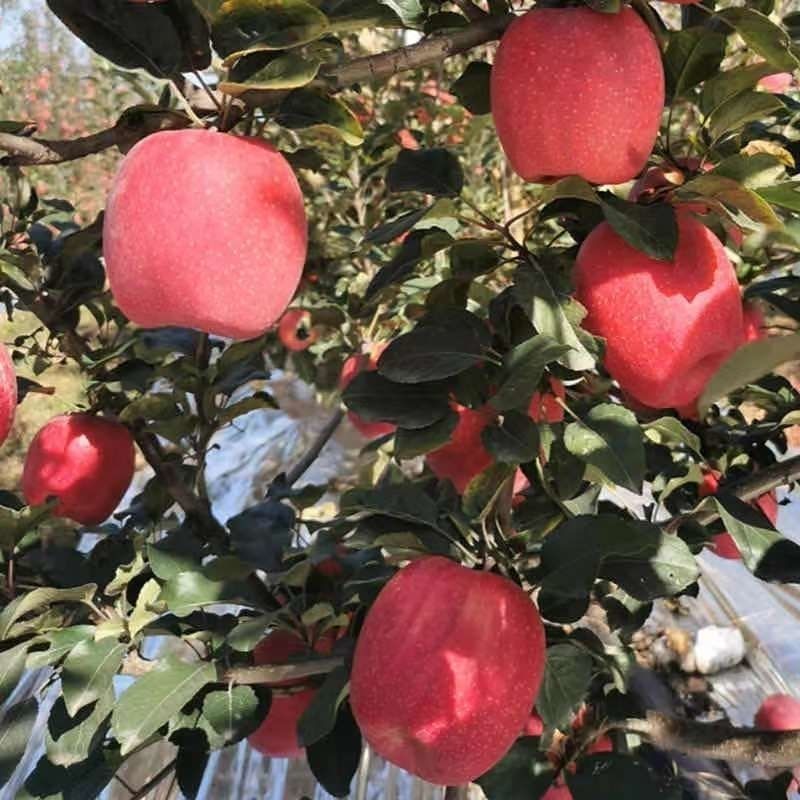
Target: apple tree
<point>551,284</point>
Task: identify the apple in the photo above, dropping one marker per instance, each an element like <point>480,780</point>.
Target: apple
<point>779,712</point>
<point>534,726</point>
<point>204,230</point>
<point>723,544</point>
<point>577,92</point>
<point>446,669</point>
<point>277,734</point>
<point>668,325</point>
<point>464,456</point>
<point>87,462</point>
<point>778,83</point>
<point>8,392</point>
<point>353,365</point>
<point>295,330</point>
<point>545,407</point>
<point>557,792</point>
<point>753,324</point>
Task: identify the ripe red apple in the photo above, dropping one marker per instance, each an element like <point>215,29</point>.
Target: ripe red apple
<point>668,326</point>
<point>86,462</point>
<point>446,670</point>
<point>545,407</point>
<point>779,712</point>
<point>557,792</point>
<point>295,330</point>
<point>753,324</point>
<point>361,362</point>
<point>204,230</point>
<point>8,393</point>
<point>277,734</point>
<point>577,92</point>
<point>464,456</point>
<point>534,725</point>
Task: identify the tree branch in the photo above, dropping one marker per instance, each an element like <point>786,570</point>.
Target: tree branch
<point>160,776</point>
<point>746,489</point>
<point>717,740</point>
<point>298,470</point>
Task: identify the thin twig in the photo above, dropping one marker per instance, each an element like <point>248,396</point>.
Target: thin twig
<point>299,469</point>
<point>160,776</point>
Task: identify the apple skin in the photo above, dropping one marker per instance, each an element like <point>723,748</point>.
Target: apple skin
<point>464,456</point>
<point>545,407</point>
<point>560,792</point>
<point>779,712</point>
<point>446,670</point>
<point>277,734</point>
<point>204,230</point>
<point>294,320</point>
<point>353,365</point>
<point>668,325</point>
<point>577,92</point>
<point>778,83</point>
<point>85,461</point>
<point>8,393</point>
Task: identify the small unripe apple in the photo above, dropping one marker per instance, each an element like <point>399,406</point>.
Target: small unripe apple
<point>277,734</point>
<point>668,325</point>
<point>464,456</point>
<point>86,462</point>
<point>446,670</point>
<point>295,330</point>
<point>204,230</point>
<point>577,92</point>
<point>8,393</point>
<point>353,365</point>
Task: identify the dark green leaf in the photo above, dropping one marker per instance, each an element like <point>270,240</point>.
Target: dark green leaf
<point>233,712</point>
<point>568,672</point>
<point>472,88</point>
<point>728,84</point>
<point>671,431</point>
<point>786,195</point>
<point>524,773</point>
<point>15,734</point>
<point>12,665</point>
<point>71,739</point>
<point>621,777</point>
<point>309,108</point>
<point>334,758</point>
<point>289,71</point>
<point>692,56</point>
<point>189,591</point>
<point>147,705</point>
<point>762,36</point>
<point>190,766</point>
<point>746,107</point>
<point>59,644</point>
<point>411,443</point>
<point>435,171</point>
<point>470,258</point>
<point>39,599</point>
<point>319,719</point>
<point>609,440</point>
<point>514,441</point>
<point>731,193</point>
<point>401,501</point>
<point>652,229</point>
<point>391,229</point>
<point>88,671</point>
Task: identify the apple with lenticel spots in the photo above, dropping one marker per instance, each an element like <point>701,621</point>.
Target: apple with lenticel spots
<point>577,92</point>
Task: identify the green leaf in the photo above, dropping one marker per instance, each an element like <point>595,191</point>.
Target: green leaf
<point>786,195</point>
<point>15,734</point>
<point>609,440</point>
<point>547,312</point>
<point>391,229</point>
<point>733,194</point>
<point>189,591</point>
<point>409,405</point>
<point>472,88</point>
<point>410,12</point>
<point>401,501</point>
<point>12,665</point>
<point>435,171</point>
<point>524,365</point>
<point>728,84</point>
<point>762,36</point>
<point>163,40</point>
<point>671,431</point>
<point>621,777</point>
<point>309,108</point>
<point>289,71</point>
<point>417,246</point>
<point>567,674</point>
<point>514,441</point>
<point>38,599</point>
<point>71,739</point>
<point>253,25</point>
<point>746,107</point>
<point>146,609</point>
<point>749,363</point>
<point>692,56</point>
<point>88,671</point>
<point>752,171</point>
<point>651,229</point>
<point>147,705</point>
<point>432,352</point>
<point>233,712</point>
<point>59,644</point>
<point>334,758</point>
<point>319,719</point>
<point>412,443</point>
<point>523,773</point>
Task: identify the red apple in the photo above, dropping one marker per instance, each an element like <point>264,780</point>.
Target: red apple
<point>577,92</point>
<point>779,712</point>
<point>446,670</point>
<point>204,230</point>
<point>86,462</point>
<point>668,326</point>
<point>295,330</point>
<point>8,393</point>
<point>464,456</point>
<point>534,726</point>
<point>557,792</point>
<point>277,734</point>
<point>545,407</point>
<point>352,366</point>
<point>753,324</point>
